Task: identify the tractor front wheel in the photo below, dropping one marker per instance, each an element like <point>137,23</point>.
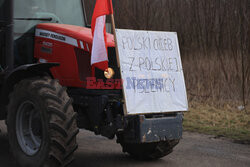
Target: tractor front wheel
<point>41,124</point>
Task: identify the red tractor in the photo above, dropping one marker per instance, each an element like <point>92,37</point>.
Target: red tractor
<point>44,65</point>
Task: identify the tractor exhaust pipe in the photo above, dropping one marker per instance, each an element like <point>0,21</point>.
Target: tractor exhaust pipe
<point>7,58</point>
<point>9,35</point>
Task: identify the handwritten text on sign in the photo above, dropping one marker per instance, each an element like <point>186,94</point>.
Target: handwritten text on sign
<point>152,71</point>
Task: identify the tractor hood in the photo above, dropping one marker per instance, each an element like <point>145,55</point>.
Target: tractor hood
<point>76,32</point>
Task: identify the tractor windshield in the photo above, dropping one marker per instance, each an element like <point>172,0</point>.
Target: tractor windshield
<point>28,13</point>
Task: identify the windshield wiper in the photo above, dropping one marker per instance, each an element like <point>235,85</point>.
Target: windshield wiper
<point>41,19</point>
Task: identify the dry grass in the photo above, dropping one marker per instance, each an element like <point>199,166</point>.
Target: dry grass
<point>214,88</point>
<point>225,121</point>
<point>210,80</point>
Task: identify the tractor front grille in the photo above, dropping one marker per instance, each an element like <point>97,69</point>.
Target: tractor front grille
<point>83,61</point>
<point>84,67</point>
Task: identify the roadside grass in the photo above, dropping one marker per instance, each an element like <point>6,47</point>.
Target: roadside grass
<point>222,122</point>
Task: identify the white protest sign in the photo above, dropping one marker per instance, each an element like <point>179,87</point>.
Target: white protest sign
<point>151,69</point>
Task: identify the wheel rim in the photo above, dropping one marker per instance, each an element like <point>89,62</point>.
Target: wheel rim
<point>29,128</point>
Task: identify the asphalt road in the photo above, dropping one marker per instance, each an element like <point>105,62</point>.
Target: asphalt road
<point>193,150</point>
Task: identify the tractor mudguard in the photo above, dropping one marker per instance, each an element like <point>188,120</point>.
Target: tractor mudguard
<point>18,74</point>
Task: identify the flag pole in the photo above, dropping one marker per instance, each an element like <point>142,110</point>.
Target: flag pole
<point>118,62</point>
<point>116,46</point>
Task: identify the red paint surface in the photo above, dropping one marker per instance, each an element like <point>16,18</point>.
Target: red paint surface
<point>67,73</point>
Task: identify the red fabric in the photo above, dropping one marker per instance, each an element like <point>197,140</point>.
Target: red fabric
<point>101,65</point>
<point>102,7</point>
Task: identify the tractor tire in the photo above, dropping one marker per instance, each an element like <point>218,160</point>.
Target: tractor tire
<point>41,124</point>
<point>148,151</point>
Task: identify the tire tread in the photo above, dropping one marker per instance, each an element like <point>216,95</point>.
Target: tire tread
<point>61,118</point>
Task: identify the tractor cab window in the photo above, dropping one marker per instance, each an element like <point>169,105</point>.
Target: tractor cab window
<point>29,13</point>
<point>1,2</point>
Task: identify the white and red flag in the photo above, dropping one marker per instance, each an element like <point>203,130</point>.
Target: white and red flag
<point>99,55</point>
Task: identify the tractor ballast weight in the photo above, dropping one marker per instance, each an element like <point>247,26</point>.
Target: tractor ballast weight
<point>43,116</point>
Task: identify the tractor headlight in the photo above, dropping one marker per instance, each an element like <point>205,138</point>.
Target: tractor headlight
<point>109,73</point>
